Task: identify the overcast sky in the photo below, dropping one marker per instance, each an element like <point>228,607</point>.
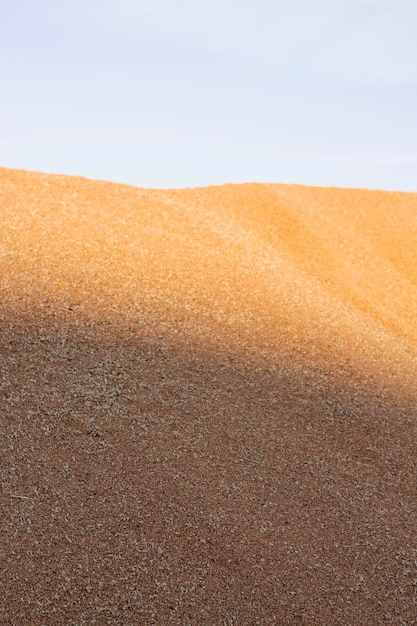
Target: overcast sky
<point>181,93</point>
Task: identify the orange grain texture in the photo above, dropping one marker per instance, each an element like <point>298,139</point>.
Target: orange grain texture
<point>208,404</point>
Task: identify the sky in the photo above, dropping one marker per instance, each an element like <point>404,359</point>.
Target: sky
<point>186,93</point>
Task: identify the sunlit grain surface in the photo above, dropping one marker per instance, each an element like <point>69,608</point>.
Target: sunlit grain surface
<point>207,404</point>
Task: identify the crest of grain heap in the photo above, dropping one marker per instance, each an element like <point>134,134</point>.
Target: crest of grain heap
<point>208,403</point>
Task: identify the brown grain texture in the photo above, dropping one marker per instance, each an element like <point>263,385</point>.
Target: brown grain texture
<point>208,405</point>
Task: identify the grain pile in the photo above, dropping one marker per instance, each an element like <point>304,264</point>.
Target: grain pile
<point>208,404</point>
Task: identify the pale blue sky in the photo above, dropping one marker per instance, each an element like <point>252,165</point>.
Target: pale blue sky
<point>180,93</point>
